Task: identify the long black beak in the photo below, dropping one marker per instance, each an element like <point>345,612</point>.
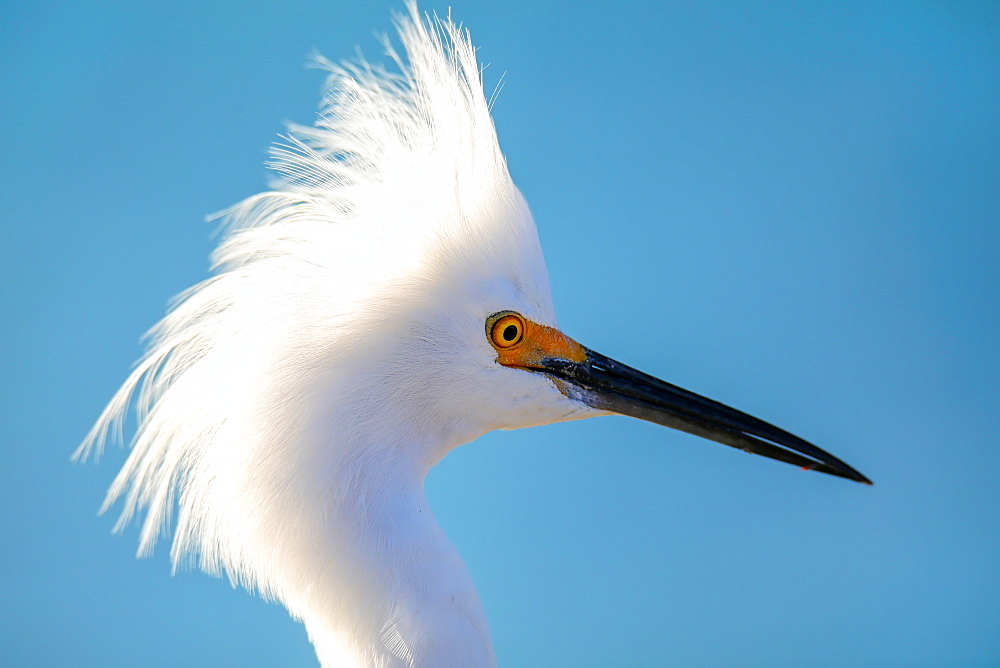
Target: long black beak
<point>605,384</point>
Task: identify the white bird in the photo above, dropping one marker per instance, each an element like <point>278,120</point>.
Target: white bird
<point>387,302</point>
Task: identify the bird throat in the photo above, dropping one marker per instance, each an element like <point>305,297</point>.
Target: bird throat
<point>391,590</point>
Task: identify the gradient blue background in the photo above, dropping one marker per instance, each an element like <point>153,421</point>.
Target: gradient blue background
<point>791,207</point>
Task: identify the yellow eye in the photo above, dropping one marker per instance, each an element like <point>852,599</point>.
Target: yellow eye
<point>507,330</point>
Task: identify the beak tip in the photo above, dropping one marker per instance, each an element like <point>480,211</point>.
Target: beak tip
<point>859,477</point>
<point>849,473</point>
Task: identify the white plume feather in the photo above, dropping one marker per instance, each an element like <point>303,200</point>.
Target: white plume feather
<point>279,397</point>
<point>289,255</point>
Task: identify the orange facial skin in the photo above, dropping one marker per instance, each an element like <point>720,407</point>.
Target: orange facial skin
<point>534,344</point>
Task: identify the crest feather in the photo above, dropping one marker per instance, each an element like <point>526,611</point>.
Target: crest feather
<point>329,231</point>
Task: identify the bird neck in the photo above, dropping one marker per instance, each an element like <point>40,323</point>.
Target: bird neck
<point>392,590</point>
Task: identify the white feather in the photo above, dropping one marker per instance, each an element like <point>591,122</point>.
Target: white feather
<point>291,405</point>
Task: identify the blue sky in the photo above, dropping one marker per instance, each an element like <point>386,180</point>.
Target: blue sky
<point>790,207</point>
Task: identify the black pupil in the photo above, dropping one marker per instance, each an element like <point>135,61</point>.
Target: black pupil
<point>510,332</point>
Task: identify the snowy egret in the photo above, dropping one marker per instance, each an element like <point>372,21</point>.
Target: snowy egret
<point>387,302</point>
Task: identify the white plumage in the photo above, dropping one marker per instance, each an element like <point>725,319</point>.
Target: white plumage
<point>355,330</point>
<point>293,403</point>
